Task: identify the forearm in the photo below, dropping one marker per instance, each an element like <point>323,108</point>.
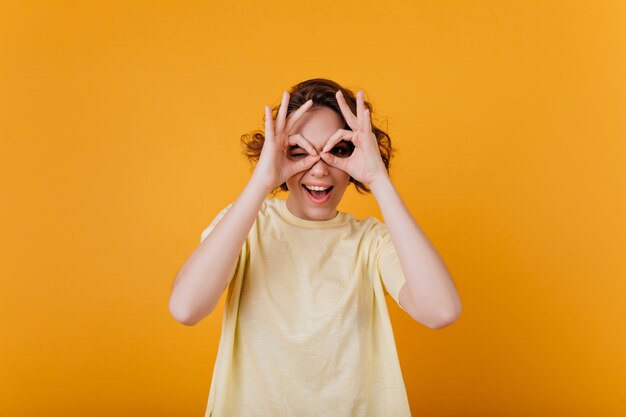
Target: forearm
<point>427,279</point>
<point>203,278</point>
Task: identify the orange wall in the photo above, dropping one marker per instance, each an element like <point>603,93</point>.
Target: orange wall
<point>120,128</point>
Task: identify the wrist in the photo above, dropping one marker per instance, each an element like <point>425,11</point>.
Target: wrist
<point>379,184</point>
<point>260,183</point>
<point>379,180</point>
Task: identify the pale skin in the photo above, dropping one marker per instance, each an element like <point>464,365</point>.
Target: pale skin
<point>204,276</point>
<point>429,295</point>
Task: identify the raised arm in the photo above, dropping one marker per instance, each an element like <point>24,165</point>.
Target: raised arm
<point>201,281</point>
<point>204,276</point>
<point>429,294</point>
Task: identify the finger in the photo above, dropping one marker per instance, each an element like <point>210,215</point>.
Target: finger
<point>345,110</point>
<point>338,136</point>
<point>298,139</point>
<point>305,163</point>
<point>335,161</point>
<point>280,119</point>
<point>367,120</point>
<point>296,115</point>
<point>269,128</point>
<point>360,106</point>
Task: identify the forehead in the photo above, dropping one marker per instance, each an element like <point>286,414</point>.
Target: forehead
<point>317,125</point>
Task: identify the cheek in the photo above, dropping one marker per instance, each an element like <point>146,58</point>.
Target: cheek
<point>292,182</point>
<point>343,178</point>
<point>341,175</point>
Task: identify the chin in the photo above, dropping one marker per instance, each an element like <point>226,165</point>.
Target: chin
<point>319,215</point>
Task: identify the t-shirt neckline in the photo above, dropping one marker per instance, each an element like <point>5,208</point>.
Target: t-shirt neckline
<point>311,224</point>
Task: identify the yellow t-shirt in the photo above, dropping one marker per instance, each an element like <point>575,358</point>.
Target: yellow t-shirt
<point>306,331</point>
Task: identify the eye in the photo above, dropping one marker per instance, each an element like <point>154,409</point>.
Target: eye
<point>297,152</point>
<point>343,149</point>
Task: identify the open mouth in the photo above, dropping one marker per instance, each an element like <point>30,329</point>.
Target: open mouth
<point>319,196</point>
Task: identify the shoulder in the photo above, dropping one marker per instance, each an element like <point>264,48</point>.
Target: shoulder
<point>371,225</point>
<point>370,232</point>
<point>378,233</point>
<point>270,207</point>
<point>271,203</point>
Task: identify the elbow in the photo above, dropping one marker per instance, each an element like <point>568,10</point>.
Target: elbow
<point>181,315</point>
<point>446,319</point>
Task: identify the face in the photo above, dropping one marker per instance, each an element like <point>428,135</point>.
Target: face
<point>317,126</point>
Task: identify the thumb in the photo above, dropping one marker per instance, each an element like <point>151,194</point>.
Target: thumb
<point>333,160</point>
<point>306,163</point>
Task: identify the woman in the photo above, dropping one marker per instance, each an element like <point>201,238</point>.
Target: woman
<point>306,329</point>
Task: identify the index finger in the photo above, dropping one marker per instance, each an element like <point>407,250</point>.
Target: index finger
<point>296,115</point>
<point>282,111</point>
<point>347,113</point>
<point>298,139</point>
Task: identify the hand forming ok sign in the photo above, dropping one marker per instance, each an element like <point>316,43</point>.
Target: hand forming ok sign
<point>274,166</point>
<point>365,163</point>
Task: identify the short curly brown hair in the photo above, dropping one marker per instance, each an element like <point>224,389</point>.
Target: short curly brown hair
<point>322,92</point>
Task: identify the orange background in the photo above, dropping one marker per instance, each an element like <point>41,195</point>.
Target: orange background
<point>120,126</point>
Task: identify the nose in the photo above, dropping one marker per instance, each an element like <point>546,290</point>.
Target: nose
<point>319,169</point>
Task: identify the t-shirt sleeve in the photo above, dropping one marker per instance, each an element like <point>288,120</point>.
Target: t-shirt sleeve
<point>389,265</point>
<point>214,223</point>
<point>208,231</point>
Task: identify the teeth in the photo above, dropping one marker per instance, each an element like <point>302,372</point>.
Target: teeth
<point>315,188</point>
